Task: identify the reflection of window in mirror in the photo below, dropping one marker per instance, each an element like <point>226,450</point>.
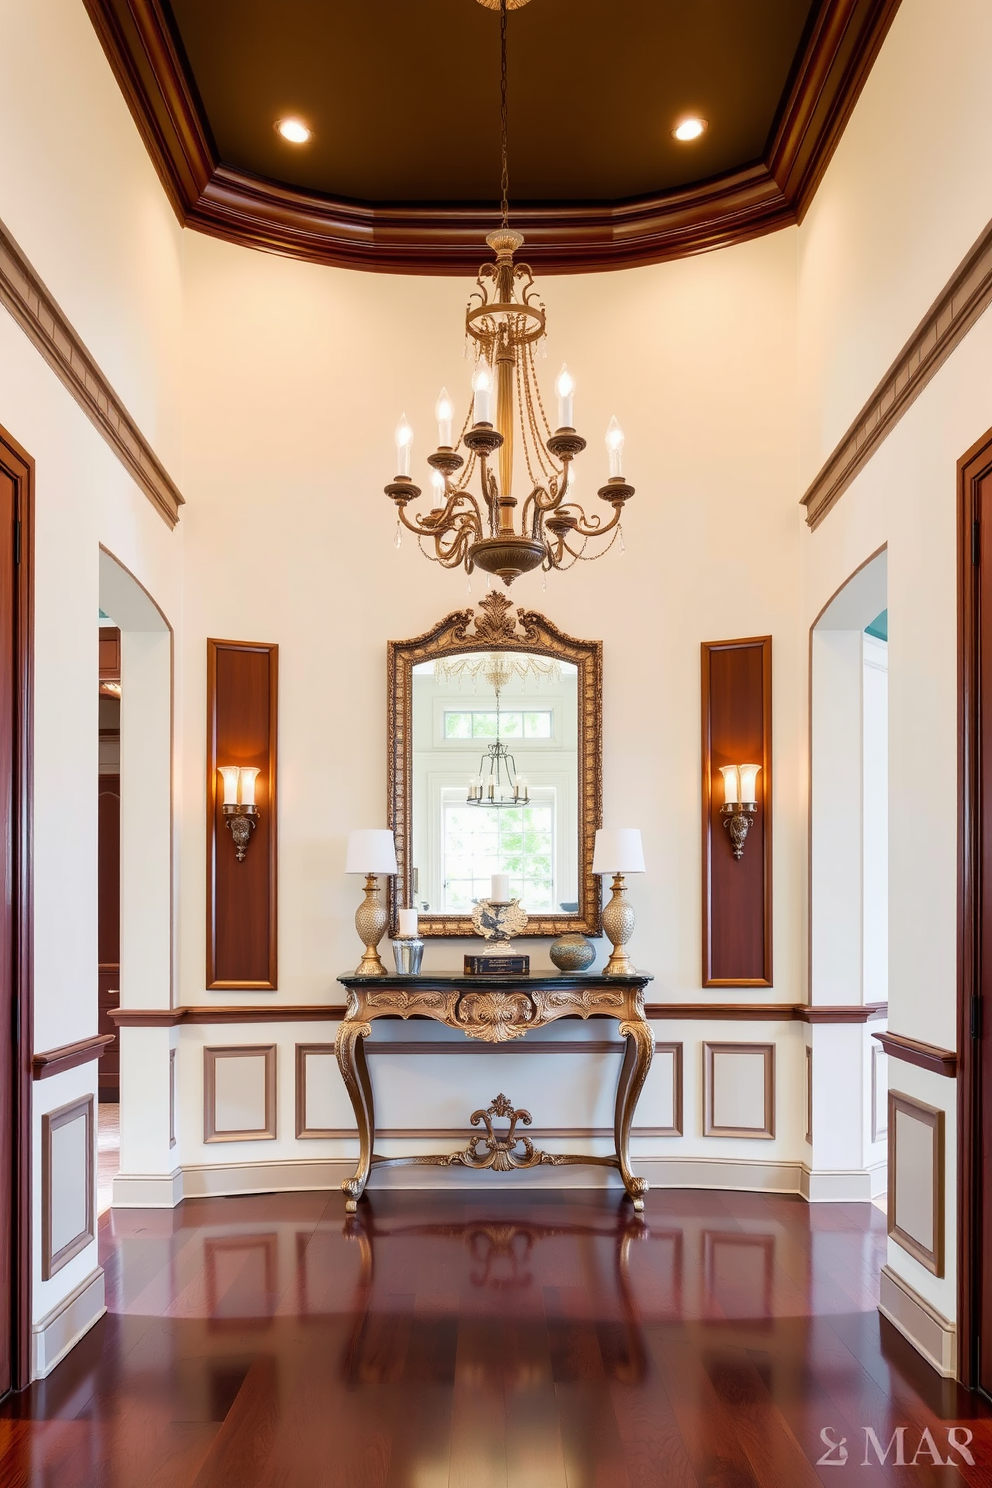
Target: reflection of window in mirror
<point>506,718</point>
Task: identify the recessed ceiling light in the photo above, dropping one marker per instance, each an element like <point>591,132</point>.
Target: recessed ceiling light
<point>689,129</point>
<point>293,130</point>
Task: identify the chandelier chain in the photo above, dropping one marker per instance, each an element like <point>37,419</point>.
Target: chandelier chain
<point>505,177</point>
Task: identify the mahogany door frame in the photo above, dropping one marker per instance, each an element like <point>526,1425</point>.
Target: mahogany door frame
<point>972,467</point>
<point>19,465</point>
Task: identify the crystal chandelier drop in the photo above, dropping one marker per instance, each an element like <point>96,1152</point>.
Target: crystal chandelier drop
<point>505,323</point>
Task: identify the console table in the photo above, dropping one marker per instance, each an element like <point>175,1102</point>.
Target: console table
<point>496,1010</point>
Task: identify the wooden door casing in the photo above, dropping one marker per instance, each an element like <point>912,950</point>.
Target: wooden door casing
<point>16,637</point>
<point>975,916</point>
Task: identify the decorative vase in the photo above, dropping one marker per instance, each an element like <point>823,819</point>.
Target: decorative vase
<point>572,952</point>
<point>408,953</point>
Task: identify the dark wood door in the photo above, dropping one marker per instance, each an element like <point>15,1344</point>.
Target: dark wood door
<point>16,473</point>
<point>975,918</point>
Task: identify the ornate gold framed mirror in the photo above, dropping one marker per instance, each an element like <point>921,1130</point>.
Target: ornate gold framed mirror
<point>495,766</point>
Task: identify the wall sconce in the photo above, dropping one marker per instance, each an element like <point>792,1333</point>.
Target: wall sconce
<point>240,811</point>
<point>739,804</point>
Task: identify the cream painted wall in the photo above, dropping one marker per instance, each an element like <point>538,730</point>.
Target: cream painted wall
<point>295,378</point>
<point>907,193</point>
<point>78,194</point>
<point>905,196</point>
<point>82,199</point>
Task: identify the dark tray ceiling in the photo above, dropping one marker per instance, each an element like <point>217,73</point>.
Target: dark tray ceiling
<point>403,96</point>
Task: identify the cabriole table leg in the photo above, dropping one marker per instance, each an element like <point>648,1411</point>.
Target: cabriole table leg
<point>350,1051</point>
<point>633,1072</point>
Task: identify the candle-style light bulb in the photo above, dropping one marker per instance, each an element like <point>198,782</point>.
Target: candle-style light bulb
<point>404,439</point>
<point>482,388</point>
<point>614,444</point>
<point>444,413</point>
<point>565,387</point>
<point>437,482</point>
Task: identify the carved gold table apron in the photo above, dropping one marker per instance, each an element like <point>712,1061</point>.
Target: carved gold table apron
<point>495,1010</point>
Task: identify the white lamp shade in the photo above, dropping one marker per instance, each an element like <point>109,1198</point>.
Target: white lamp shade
<point>618,850</point>
<point>371,850</point>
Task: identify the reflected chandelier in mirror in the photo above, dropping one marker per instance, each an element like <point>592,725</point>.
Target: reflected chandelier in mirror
<point>495,766</point>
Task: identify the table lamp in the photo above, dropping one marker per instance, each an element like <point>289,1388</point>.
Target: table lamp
<point>371,850</point>
<point>618,850</point>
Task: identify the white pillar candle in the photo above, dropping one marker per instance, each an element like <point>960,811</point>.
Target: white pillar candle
<point>500,891</point>
<point>408,922</point>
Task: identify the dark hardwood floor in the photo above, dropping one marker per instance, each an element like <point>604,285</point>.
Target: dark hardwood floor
<point>526,1340</point>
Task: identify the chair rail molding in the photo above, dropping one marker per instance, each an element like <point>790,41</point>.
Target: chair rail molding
<point>965,296</point>
<point>36,311</point>
<point>914,1051</point>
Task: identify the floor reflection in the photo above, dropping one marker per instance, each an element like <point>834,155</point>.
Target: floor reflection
<point>525,1339</point>
<point>521,1267</point>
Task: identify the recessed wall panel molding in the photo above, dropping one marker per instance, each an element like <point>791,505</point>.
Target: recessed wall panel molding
<point>242,704</point>
<point>916,1179</point>
<point>879,1094</point>
<point>737,889</point>
<point>666,1080</point>
<point>67,1184</point>
<point>239,1093</point>
<point>317,1078</point>
<point>738,1090</point>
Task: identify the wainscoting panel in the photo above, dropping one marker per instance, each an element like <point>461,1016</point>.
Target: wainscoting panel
<point>666,1078</point>
<point>916,1179</point>
<point>67,1184</point>
<point>242,702</point>
<point>239,1093</point>
<point>739,1090</point>
<point>317,1078</point>
<point>737,893</point>
<point>879,1094</point>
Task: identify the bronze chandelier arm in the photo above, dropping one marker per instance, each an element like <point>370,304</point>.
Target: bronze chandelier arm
<point>448,517</point>
<point>455,553</point>
<point>541,501</point>
<point>592,526</point>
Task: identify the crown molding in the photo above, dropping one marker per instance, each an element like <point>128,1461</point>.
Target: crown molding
<point>965,296</point>
<point>37,313</point>
<point>147,61</point>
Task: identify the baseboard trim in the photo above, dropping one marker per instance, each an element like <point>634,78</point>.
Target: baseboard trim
<point>61,1329</point>
<point>148,1190</point>
<point>293,1174</point>
<point>288,1175</point>
<point>842,1185</point>
<point>930,1333</point>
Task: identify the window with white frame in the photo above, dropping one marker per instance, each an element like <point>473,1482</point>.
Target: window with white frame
<point>478,841</point>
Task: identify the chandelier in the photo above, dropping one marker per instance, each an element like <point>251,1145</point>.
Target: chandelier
<point>498,782</point>
<point>505,323</point>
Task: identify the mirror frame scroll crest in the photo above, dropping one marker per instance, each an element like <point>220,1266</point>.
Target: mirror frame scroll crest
<point>494,627</point>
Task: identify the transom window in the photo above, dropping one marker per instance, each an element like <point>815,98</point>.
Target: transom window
<point>472,723</point>
<point>479,841</point>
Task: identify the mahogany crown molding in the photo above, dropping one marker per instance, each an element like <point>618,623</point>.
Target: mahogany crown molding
<point>214,198</point>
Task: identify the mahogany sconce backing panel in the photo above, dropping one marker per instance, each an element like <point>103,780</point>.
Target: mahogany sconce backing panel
<point>737,893</point>
<point>242,707</point>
